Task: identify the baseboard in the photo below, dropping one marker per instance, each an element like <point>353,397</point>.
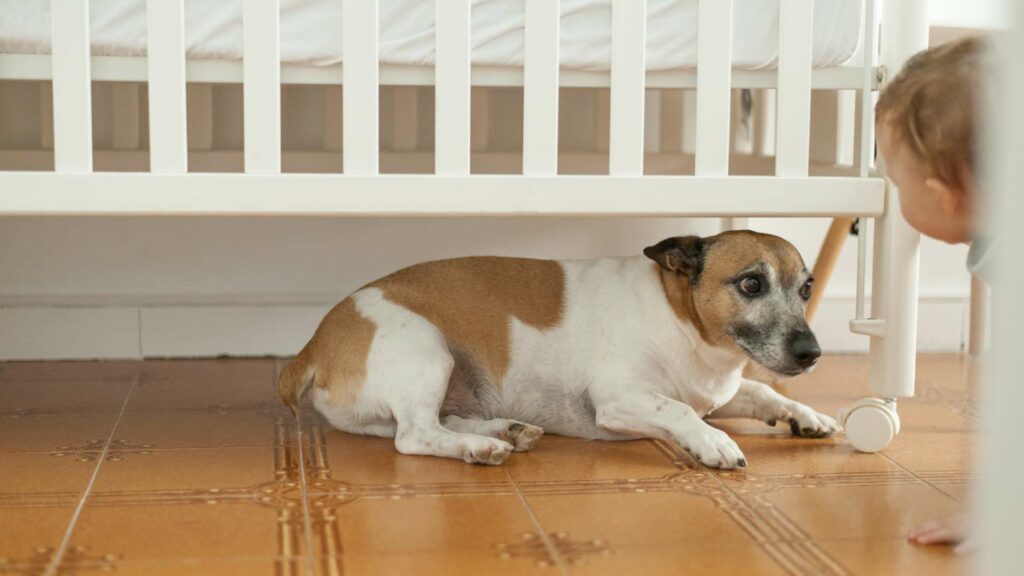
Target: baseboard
<point>273,327</point>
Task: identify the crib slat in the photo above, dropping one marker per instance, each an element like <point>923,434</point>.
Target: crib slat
<point>540,88</point>
<point>714,75</point>
<point>452,109</point>
<point>360,86</point>
<point>793,111</point>
<point>168,128</point>
<point>261,68</point>
<point>626,129</point>
<point>72,91</point>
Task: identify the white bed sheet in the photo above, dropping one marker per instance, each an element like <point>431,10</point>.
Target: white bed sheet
<point>311,31</point>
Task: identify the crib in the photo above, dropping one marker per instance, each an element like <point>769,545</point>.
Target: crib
<point>778,177</point>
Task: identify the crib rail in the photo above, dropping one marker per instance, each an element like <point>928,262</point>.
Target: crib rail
<point>453,76</point>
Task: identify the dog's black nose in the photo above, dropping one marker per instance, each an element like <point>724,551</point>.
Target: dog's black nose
<point>804,348</point>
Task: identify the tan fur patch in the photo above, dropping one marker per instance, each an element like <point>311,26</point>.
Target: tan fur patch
<point>472,301</point>
<point>707,305</point>
<point>337,353</point>
<point>680,297</point>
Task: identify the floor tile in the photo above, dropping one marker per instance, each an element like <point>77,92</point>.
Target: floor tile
<point>895,556</point>
<point>70,433</point>
<point>368,460</point>
<point>69,371</point>
<point>431,524</point>
<point>635,519</point>
<point>861,512</point>
<point>785,454</point>
<point>23,398</point>
<point>172,530</point>
<point>203,478</point>
<point>194,567</point>
<point>211,371</point>
<point>444,564</point>
<point>30,535</point>
<point>590,460</point>
<point>61,478</point>
<point>933,451</point>
<point>209,429</point>
<point>185,393</point>
<point>215,470</point>
<point>682,558</point>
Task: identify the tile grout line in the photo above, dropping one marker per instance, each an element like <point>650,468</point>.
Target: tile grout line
<point>919,478</point>
<point>304,486</point>
<point>58,556</point>
<point>555,555</point>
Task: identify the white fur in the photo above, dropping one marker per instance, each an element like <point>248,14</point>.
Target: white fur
<point>620,364</point>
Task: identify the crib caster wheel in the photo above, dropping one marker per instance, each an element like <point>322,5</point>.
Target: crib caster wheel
<point>870,424</point>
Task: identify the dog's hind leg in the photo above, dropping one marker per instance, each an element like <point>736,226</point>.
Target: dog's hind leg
<point>521,435</point>
<point>416,410</point>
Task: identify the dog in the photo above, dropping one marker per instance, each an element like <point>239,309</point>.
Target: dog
<point>475,358</point>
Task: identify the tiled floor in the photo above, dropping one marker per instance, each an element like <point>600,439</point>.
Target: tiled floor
<point>192,467</point>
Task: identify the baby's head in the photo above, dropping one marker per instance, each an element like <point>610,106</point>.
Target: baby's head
<point>925,121</point>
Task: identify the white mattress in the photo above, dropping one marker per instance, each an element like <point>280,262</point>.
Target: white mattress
<point>311,31</point>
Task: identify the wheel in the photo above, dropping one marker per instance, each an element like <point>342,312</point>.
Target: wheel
<point>870,424</point>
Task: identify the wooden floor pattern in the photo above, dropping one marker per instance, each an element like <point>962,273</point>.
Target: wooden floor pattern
<point>193,467</point>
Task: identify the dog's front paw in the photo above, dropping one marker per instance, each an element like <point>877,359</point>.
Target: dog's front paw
<point>804,421</point>
<point>714,449</point>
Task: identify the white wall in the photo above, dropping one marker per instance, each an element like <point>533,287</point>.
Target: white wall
<point>178,286</point>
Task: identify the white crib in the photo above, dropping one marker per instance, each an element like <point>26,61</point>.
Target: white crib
<point>169,188</point>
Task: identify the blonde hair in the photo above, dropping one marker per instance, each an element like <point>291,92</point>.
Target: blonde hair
<point>930,106</point>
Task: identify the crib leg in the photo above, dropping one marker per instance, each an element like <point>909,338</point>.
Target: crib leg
<point>979,318</point>
<point>872,423</point>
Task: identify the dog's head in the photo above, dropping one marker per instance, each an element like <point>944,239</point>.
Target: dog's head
<point>742,289</point>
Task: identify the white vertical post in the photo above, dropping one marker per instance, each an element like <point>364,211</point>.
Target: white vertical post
<point>540,88</point>
<point>714,70</point>
<point>261,66</point>
<point>165,37</point>
<point>864,118</point>
<point>714,97</point>
<point>72,89</point>
<point>360,87</point>
<point>452,101</point>
<point>628,76</point>
<point>793,122</point>
<point>897,245</point>
<point>863,138</point>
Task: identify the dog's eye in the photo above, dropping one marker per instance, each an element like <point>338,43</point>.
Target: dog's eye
<point>750,285</point>
<point>805,290</point>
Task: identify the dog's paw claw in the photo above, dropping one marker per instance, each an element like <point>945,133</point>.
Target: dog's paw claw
<point>807,423</point>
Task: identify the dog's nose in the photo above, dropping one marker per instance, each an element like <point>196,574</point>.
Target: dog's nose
<point>804,347</point>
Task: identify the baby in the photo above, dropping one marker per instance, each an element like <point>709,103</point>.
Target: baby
<point>925,120</point>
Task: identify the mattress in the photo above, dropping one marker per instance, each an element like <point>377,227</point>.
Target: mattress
<point>311,31</point>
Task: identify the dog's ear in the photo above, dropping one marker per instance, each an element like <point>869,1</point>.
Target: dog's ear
<point>683,255</point>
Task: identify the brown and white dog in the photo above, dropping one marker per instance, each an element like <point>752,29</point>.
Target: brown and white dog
<point>474,358</point>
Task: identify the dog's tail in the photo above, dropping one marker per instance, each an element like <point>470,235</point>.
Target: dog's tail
<point>295,378</point>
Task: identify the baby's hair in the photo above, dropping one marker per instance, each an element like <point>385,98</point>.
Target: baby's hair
<point>930,106</point>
